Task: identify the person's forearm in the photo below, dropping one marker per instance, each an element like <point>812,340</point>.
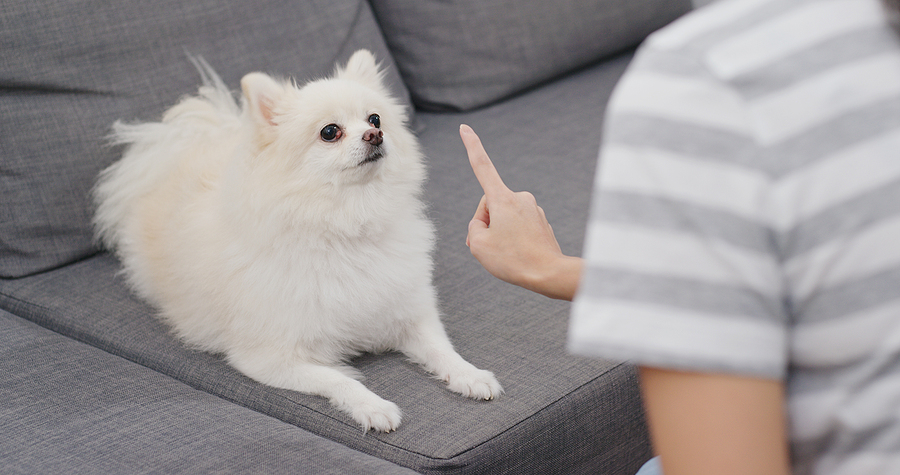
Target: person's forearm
<point>559,280</point>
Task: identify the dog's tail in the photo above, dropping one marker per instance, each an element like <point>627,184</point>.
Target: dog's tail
<point>214,90</point>
<point>214,103</point>
<point>152,150</point>
<point>120,185</point>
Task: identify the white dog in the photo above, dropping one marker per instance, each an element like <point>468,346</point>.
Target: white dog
<point>287,233</point>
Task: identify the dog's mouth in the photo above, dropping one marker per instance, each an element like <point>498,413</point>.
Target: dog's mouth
<point>376,154</point>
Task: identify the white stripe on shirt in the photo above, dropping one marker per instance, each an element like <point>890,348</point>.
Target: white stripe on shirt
<point>789,34</point>
<point>681,255</point>
<point>845,259</point>
<point>844,175</point>
<point>680,98</point>
<point>826,96</point>
<point>858,411</point>
<point>825,343</point>
<point>662,174</point>
<point>710,339</point>
<point>702,21</point>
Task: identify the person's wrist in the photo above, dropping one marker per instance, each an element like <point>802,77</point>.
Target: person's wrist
<point>558,278</point>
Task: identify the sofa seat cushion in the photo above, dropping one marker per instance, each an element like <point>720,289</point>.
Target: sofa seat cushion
<point>72,408</point>
<point>560,413</point>
<point>72,67</point>
<point>463,55</point>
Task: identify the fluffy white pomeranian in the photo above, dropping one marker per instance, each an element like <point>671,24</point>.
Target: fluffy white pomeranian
<point>287,233</point>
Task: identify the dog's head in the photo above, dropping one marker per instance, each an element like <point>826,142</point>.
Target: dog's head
<point>339,130</point>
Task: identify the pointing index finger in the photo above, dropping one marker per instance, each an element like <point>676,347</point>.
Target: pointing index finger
<point>481,164</point>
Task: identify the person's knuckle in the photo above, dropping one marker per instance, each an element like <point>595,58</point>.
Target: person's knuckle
<point>526,198</point>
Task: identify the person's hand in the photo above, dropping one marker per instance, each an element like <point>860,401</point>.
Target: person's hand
<point>510,235</point>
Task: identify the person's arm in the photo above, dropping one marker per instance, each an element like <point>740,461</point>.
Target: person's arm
<point>715,423</point>
<point>700,423</point>
<point>510,236</point>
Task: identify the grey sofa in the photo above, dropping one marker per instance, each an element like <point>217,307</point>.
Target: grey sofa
<point>91,382</point>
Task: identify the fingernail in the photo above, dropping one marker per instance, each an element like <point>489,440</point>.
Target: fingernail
<point>463,128</point>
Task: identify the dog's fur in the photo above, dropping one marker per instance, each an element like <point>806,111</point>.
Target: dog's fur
<point>258,239</point>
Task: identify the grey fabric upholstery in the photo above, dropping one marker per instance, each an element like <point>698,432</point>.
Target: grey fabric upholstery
<point>72,67</point>
<point>560,414</point>
<point>91,382</point>
<point>462,55</point>
<point>70,408</point>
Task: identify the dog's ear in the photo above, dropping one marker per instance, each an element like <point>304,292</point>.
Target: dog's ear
<point>362,67</point>
<point>262,93</point>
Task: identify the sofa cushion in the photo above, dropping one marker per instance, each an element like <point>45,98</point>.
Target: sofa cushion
<point>560,413</point>
<point>462,55</point>
<point>72,67</point>
<point>72,408</point>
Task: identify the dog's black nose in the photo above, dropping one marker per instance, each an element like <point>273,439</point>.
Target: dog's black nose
<point>373,136</point>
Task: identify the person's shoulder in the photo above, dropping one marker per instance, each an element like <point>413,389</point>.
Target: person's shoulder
<point>711,20</point>
<point>761,23</point>
<point>684,47</point>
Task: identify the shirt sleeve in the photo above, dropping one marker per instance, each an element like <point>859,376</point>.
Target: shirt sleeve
<point>681,270</point>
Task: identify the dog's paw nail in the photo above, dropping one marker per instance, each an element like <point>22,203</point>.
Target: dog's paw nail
<point>378,415</point>
<point>479,385</point>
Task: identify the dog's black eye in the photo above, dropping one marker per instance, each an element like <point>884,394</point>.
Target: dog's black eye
<point>375,121</point>
<point>330,133</point>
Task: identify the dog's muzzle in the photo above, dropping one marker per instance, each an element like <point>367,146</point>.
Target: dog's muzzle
<point>375,138</point>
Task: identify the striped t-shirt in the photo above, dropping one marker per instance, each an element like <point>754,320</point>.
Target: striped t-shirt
<point>746,218</point>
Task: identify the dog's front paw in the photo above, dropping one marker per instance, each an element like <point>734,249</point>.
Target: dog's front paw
<point>378,414</point>
<point>476,384</point>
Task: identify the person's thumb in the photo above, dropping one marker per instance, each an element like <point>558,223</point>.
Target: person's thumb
<point>476,227</point>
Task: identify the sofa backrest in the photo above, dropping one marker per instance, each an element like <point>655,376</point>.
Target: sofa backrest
<point>464,54</point>
<point>70,68</point>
